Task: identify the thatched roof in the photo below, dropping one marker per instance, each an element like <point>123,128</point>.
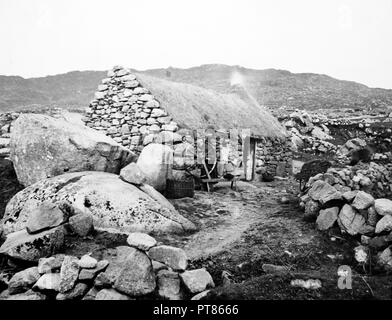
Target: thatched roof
<point>195,108</point>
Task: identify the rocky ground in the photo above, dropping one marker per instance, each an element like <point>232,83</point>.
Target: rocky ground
<point>254,242</point>
<point>245,231</point>
<point>328,134</point>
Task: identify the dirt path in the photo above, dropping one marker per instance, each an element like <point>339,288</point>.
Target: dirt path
<point>241,231</point>
<point>224,215</point>
<point>233,212</point>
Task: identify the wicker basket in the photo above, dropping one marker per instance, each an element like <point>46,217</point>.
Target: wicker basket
<point>176,189</point>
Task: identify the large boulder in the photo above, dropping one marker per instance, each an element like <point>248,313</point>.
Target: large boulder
<point>350,195</point>
<point>173,257</point>
<point>384,259</point>
<point>87,262</point>
<point>296,142</point>
<point>385,224</point>
<point>323,192</point>
<point>130,272</point>
<point>383,206</point>
<point>48,281</point>
<point>28,295</point>
<point>45,216</point>
<point>157,196</point>
<point>112,202</point>
<point>89,274</point>
<point>81,224</point>
<point>44,147</point>
<point>363,200</point>
<point>169,285</point>
<point>31,247</point>
<point>68,273</point>
<point>351,145</point>
<point>320,134</point>
<point>327,218</point>
<point>351,221</point>
<point>312,209</point>
<point>156,162</point>
<point>51,264</point>
<point>198,280</point>
<point>141,241</point>
<point>133,174</point>
<point>23,280</point>
<point>77,292</point>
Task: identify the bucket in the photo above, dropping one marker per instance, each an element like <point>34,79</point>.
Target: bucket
<point>176,189</point>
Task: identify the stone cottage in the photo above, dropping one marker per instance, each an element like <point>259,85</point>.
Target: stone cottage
<point>136,109</point>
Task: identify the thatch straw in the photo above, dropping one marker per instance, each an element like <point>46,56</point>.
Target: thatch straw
<point>195,108</point>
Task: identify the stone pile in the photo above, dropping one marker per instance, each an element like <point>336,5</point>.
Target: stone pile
<point>387,156</point>
<point>313,132</point>
<point>308,132</point>
<point>140,269</point>
<point>350,146</point>
<point>378,136</point>
<point>372,177</point>
<point>329,117</point>
<point>355,213</point>
<point>344,152</point>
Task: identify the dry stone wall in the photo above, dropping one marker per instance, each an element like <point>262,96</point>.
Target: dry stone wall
<point>337,200</point>
<point>139,269</point>
<point>322,134</point>
<point>372,177</point>
<point>6,120</point>
<point>275,155</point>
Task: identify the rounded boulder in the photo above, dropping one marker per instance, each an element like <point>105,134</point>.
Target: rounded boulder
<point>112,203</point>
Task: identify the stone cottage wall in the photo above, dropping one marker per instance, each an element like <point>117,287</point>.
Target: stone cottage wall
<point>127,112</point>
<point>275,155</point>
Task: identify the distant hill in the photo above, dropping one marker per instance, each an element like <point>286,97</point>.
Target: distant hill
<point>72,90</point>
<point>270,87</point>
<point>275,88</point>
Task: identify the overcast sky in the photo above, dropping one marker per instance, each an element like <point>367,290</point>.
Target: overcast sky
<point>349,39</point>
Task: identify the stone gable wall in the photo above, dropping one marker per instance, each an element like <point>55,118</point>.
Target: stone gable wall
<point>127,112</point>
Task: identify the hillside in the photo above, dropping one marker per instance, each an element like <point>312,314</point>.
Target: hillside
<point>270,87</point>
<point>72,90</point>
<point>275,88</point>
